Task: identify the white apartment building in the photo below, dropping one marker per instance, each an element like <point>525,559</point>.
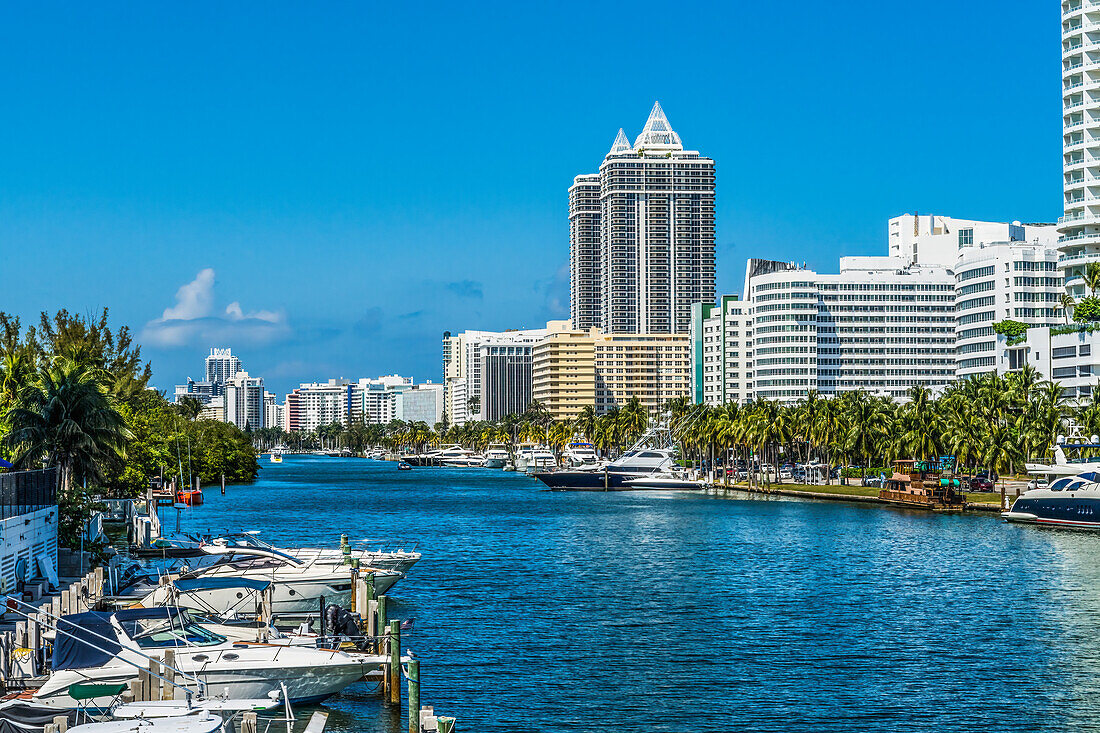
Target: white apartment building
<point>996,282</point>
<point>1068,356</point>
<point>244,401</point>
<point>642,235</point>
<point>318,403</point>
<point>931,239</point>
<point>492,369</point>
<point>273,412</point>
<point>421,403</point>
<point>221,365</point>
<point>722,355</point>
<point>1079,242</point>
<point>881,324</point>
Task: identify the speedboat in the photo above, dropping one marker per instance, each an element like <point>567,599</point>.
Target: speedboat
<point>652,455</point>
<point>1070,501</point>
<point>496,455</point>
<point>96,648</point>
<point>1080,462</point>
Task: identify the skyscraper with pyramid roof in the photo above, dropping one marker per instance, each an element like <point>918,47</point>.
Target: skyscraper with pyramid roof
<point>642,235</point>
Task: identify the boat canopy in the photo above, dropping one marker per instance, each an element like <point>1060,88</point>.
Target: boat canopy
<point>218,583</point>
<point>85,640</point>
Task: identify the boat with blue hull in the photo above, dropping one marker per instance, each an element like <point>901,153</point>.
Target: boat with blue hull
<point>1072,501</point>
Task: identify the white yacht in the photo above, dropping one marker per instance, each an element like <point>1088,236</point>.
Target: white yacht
<point>652,457</point>
<point>1081,462</point>
<point>523,455</point>
<point>298,582</point>
<point>111,648</point>
<point>496,455</point>
<point>580,453</point>
<point>541,459</point>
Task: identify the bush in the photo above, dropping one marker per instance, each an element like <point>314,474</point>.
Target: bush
<point>1087,310</point>
<point>1013,331</point>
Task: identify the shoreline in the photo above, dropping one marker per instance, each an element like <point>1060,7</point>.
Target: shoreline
<point>816,495</point>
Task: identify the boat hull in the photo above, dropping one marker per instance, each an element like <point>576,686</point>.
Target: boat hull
<point>1075,512</point>
<point>589,480</point>
<point>236,679</point>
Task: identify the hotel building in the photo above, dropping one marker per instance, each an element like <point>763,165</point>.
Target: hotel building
<point>642,235</point>
<point>575,368</point>
<point>244,401</point>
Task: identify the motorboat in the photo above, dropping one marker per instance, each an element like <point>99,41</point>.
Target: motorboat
<point>111,648</point>
<point>299,582</point>
<point>496,455</point>
<point>403,466</point>
<point>276,455</point>
<point>1069,501</point>
<point>580,454</point>
<point>400,560</point>
<point>654,454</point>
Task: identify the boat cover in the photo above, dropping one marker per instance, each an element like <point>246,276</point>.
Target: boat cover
<point>216,583</point>
<point>79,644</point>
<point>89,640</point>
<point>19,716</point>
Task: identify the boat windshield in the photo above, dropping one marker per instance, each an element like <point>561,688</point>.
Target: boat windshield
<point>176,630</point>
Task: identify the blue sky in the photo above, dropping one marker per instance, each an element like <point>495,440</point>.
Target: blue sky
<point>328,187</point>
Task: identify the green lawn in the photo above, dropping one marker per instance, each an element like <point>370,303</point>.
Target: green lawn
<point>853,490</point>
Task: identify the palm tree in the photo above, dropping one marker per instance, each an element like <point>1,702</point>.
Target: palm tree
<point>1092,277</point>
<point>1066,304</point>
<point>585,423</point>
<point>65,418</point>
<point>190,407</point>
<point>1002,454</point>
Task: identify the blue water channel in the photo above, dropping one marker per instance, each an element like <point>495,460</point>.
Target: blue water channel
<point>678,612</point>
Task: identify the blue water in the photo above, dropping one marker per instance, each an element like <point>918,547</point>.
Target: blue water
<point>675,612</point>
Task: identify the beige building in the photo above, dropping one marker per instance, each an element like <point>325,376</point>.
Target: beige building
<point>572,369</point>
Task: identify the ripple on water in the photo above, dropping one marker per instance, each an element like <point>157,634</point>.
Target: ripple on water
<point>666,612</point>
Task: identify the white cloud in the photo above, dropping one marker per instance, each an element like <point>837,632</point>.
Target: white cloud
<point>190,322</point>
<point>193,300</point>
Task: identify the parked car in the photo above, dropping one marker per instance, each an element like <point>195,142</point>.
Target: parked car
<point>872,481</point>
<point>981,483</point>
<point>1037,483</point>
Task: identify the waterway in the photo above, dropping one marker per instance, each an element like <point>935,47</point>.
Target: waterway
<point>549,611</point>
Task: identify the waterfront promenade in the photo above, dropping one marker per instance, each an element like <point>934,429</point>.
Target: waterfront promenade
<point>539,610</point>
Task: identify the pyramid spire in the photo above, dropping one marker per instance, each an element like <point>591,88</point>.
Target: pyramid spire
<point>657,133</point>
<point>621,144</point>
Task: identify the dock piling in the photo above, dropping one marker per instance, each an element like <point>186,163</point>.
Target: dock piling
<point>249,722</point>
<point>414,696</point>
<point>395,662</point>
<point>382,623</point>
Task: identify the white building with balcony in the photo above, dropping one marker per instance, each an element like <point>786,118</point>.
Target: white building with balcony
<point>1079,228</point>
<point>932,239</point>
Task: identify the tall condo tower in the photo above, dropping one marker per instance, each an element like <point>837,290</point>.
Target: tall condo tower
<point>1079,229</point>
<point>642,235</point>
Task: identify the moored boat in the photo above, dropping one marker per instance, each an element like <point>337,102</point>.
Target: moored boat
<point>924,485</point>
<point>1070,501</point>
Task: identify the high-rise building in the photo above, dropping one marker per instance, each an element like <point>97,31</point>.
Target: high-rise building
<point>655,227</point>
<point>273,412</point>
<point>221,365</point>
<point>244,401</point>
<point>1080,226</point>
<point>721,352</point>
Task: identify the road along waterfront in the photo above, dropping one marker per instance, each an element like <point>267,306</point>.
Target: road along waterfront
<point>661,611</point>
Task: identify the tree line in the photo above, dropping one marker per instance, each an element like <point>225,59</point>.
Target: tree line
<point>74,393</point>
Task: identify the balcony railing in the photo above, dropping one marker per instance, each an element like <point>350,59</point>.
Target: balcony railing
<point>23,492</point>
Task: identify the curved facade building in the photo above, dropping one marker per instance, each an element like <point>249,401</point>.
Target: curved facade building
<point>999,281</point>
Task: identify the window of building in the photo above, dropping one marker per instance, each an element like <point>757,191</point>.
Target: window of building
<point>966,236</point>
